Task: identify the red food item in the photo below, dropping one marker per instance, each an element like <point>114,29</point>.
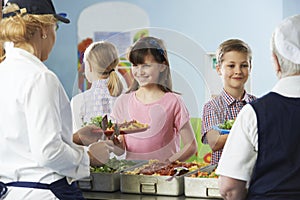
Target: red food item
<point>164,169</point>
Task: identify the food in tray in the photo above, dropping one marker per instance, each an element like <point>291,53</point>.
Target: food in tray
<point>227,124</point>
<point>113,166</point>
<point>225,127</point>
<point>201,174</point>
<point>156,168</point>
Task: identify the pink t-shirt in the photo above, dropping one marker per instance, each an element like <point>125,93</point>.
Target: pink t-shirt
<point>165,118</point>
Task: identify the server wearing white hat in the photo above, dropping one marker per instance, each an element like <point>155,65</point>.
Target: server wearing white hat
<point>261,156</point>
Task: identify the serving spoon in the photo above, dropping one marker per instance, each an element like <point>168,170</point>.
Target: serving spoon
<point>177,172</point>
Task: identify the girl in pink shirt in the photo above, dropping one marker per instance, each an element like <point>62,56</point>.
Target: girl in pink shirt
<point>150,100</point>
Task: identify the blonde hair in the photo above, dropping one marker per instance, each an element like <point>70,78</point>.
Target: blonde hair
<point>103,58</point>
<point>233,45</point>
<point>151,46</point>
<point>20,28</point>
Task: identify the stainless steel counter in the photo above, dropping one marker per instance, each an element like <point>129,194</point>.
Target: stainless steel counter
<point>124,196</point>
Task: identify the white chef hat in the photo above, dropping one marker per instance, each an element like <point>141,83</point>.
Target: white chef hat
<point>287,38</point>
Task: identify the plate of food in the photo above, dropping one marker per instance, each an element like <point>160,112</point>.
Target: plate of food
<point>225,127</point>
<point>128,127</point>
<point>111,128</point>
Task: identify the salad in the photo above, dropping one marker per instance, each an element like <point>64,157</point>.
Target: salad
<point>225,127</point>
<point>98,121</point>
<point>227,124</point>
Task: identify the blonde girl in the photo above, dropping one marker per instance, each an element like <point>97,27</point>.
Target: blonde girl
<point>100,61</point>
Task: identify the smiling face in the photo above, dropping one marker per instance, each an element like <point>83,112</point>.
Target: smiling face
<point>234,70</point>
<point>147,74</point>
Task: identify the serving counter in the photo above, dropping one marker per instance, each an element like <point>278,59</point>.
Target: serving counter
<point>124,196</point>
<point>153,180</point>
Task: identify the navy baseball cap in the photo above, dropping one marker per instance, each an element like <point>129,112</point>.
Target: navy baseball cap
<point>39,7</point>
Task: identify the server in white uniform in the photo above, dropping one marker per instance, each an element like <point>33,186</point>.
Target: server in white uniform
<point>38,159</point>
<point>261,158</point>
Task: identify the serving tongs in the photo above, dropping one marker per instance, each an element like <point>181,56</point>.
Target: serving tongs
<point>209,169</point>
<point>104,123</point>
<point>177,171</point>
<point>115,135</point>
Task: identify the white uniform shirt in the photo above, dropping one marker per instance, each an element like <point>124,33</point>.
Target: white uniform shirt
<point>240,150</point>
<point>36,128</point>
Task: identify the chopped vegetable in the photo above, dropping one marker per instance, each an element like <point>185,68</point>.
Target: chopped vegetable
<point>227,124</point>
<point>113,166</point>
<point>98,122</point>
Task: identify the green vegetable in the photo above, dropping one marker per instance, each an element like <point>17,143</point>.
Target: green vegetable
<point>227,124</point>
<point>97,121</point>
<point>113,166</point>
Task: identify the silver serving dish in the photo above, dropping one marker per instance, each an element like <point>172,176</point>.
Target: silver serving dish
<point>201,187</point>
<point>147,184</point>
<point>102,181</point>
<point>151,184</point>
<point>105,182</point>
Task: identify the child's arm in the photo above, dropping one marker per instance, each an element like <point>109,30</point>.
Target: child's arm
<point>215,140</point>
<point>189,144</point>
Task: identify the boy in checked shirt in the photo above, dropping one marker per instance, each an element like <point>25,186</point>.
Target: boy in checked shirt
<point>233,66</point>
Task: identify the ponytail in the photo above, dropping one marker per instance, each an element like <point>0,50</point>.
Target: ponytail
<point>115,85</point>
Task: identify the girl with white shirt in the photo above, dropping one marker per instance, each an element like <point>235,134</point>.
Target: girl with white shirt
<point>100,62</point>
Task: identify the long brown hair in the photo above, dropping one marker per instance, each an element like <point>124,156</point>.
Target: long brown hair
<point>155,47</point>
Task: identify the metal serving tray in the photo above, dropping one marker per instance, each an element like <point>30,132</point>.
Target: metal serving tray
<point>150,184</point>
<point>201,187</point>
<point>103,182</point>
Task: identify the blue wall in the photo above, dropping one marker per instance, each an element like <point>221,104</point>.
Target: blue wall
<point>207,22</point>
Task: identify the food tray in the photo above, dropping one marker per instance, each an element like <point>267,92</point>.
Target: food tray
<point>151,184</point>
<point>201,187</point>
<point>103,182</point>
<point>147,184</point>
<point>222,131</point>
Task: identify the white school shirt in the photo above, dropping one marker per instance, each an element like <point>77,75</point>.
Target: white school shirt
<point>93,102</point>
<point>240,150</point>
<point>36,127</point>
